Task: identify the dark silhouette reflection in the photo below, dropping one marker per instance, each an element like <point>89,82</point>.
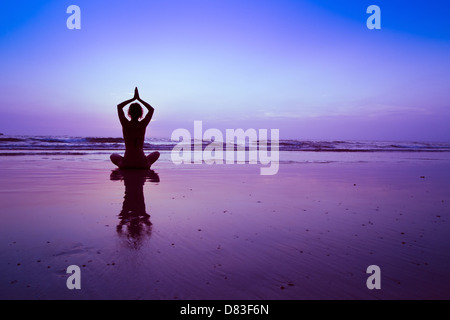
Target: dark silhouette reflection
<point>134,223</point>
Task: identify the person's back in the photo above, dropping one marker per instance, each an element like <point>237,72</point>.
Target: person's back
<point>134,134</point>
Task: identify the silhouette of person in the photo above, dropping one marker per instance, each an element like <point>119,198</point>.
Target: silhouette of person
<point>134,220</point>
<point>133,134</point>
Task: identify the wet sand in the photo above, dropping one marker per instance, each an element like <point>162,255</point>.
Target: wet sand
<point>224,231</point>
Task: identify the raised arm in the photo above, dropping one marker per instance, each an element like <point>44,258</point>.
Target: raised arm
<point>150,109</point>
<point>120,107</point>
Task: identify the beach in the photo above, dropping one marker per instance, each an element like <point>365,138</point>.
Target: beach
<point>299,150</point>
<point>225,231</point>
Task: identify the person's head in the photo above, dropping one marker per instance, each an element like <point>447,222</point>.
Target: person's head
<point>135,111</point>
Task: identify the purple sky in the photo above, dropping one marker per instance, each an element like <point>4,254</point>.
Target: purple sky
<point>311,69</point>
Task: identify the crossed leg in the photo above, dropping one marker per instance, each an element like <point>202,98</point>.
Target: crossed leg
<point>117,159</point>
<point>152,157</point>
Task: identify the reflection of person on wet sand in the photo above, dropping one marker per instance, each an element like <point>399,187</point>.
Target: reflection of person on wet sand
<point>133,216</point>
<point>134,134</point>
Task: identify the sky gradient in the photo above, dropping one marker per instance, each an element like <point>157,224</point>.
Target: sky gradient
<point>309,68</point>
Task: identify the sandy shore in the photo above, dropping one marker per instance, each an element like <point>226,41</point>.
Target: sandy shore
<point>224,232</point>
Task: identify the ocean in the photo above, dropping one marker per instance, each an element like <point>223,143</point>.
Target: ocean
<point>21,145</point>
<point>290,151</point>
